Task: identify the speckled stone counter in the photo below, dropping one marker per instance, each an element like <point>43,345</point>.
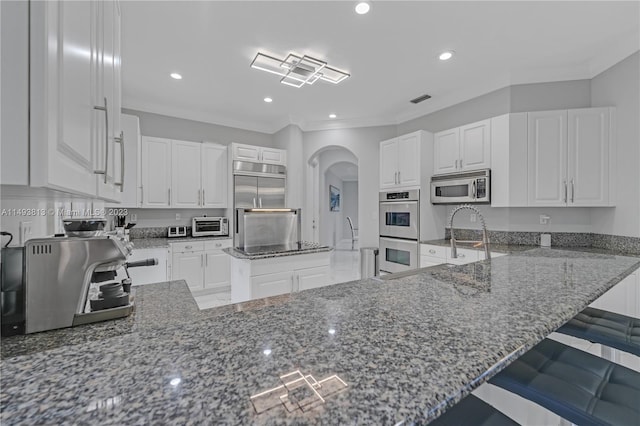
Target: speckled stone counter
<point>499,248</point>
<point>146,243</point>
<point>269,251</point>
<point>408,348</point>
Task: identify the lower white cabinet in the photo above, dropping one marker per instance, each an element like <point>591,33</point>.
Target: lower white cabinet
<point>255,279</point>
<point>432,255</point>
<point>149,274</point>
<point>202,264</point>
<point>623,298</point>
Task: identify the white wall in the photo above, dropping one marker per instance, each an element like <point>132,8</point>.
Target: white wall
<point>290,138</point>
<point>350,207</point>
<point>330,222</point>
<point>619,86</point>
<point>364,143</point>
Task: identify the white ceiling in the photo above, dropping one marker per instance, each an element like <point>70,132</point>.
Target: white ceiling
<point>391,54</point>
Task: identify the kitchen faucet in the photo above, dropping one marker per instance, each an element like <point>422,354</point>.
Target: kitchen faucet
<point>485,236</point>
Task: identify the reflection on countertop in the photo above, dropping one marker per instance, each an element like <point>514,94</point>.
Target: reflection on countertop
<point>408,348</point>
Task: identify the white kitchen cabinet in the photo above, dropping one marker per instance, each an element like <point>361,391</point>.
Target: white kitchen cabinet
<point>401,161</point>
<point>132,146</point>
<point>149,274</point>
<point>185,174</point>
<point>431,255</point>
<point>464,256</point>
<point>509,160</point>
<point>203,264</point>
<point>258,154</point>
<point>155,172</point>
<point>623,298</point>
<point>71,69</point>
<point>463,148</point>
<point>271,284</point>
<point>194,174</point>
<point>569,157</point>
<point>305,279</point>
<point>214,175</point>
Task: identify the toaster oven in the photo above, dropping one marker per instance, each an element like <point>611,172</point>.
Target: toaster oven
<point>209,226</point>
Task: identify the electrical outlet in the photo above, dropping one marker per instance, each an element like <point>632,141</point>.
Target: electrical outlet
<point>544,219</point>
<point>25,232</point>
<point>473,217</point>
<point>134,217</point>
<point>177,216</point>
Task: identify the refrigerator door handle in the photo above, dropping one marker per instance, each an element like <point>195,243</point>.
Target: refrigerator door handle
<point>260,202</point>
<point>254,203</point>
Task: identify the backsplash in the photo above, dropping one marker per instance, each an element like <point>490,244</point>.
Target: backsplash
<point>624,244</point>
<point>152,232</point>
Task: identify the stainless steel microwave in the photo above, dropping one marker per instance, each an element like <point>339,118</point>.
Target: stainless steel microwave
<point>462,187</point>
<point>209,226</point>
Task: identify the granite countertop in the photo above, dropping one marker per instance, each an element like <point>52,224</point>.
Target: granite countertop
<point>267,252</point>
<point>146,243</point>
<point>498,248</point>
<point>408,348</point>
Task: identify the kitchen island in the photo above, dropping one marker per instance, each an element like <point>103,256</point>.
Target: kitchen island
<point>407,347</point>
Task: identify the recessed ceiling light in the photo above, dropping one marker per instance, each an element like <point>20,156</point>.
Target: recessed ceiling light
<point>268,100</point>
<point>445,56</point>
<point>176,76</point>
<point>332,116</point>
<point>363,7</point>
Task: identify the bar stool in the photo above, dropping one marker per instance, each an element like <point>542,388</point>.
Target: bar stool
<point>607,328</point>
<point>577,386</point>
<point>473,411</point>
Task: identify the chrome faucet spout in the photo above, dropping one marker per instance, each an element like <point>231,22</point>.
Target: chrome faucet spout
<point>485,234</point>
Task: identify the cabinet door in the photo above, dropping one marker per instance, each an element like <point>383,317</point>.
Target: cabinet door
<point>185,174</point>
<point>217,269</point>
<point>156,172</point>
<point>409,160</point>
<point>214,175</point>
<point>588,157</point>
<point>426,261</point>
<point>475,146</point>
<point>623,298</point>
<point>464,256</point>
<point>271,284</point>
<point>188,266</point>
<point>62,100</point>
<point>274,156</point>
<point>389,163</point>
<point>246,153</point>
<point>547,158</point>
<point>446,154</point>
<point>107,90</point>
<point>311,278</point>
<point>149,274</point>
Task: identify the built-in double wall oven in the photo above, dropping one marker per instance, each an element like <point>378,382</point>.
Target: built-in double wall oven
<point>399,230</point>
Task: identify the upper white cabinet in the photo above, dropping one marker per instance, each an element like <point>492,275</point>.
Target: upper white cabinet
<point>463,148</point>
<point>569,157</point>
<point>400,161</point>
<point>155,170</point>
<point>193,174</point>
<point>75,97</point>
<point>509,160</point>
<point>259,154</point>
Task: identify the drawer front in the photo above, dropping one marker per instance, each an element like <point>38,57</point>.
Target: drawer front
<point>190,246</point>
<point>426,261</point>
<point>434,251</point>
<point>217,244</point>
<point>271,284</point>
<point>464,256</point>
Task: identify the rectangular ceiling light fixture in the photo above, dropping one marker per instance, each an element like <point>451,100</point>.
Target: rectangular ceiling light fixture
<point>297,70</point>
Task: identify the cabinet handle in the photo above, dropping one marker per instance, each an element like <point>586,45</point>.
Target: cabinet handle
<point>199,198</point>
<point>206,260</point>
<point>201,261</point>
<point>203,202</point>
<point>399,179</point>
<point>188,247</point>
<point>141,195</point>
<point>218,245</point>
<point>106,139</point>
<point>169,189</point>
<point>573,190</point>
<point>120,140</point>
<point>565,191</point>
<point>461,255</point>
<point>432,251</point>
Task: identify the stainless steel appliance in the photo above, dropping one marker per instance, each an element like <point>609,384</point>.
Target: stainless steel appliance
<point>176,231</point>
<point>267,229</point>
<point>55,284</point>
<point>462,187</point>
<point>399,230</point>
<point>258,185</point>
<point>209,226</point>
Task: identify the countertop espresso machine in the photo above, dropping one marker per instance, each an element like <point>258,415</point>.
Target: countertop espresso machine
<point>66,281</point>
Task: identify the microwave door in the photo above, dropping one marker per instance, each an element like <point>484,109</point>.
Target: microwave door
<point>458,191</point>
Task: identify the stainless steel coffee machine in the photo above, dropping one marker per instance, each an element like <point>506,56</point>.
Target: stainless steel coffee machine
<point>58,274</point>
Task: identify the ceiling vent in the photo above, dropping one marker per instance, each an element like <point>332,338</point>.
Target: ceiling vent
<point>420,99</point>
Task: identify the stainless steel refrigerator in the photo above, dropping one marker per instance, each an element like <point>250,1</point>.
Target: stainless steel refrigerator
<point>258,185</point>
